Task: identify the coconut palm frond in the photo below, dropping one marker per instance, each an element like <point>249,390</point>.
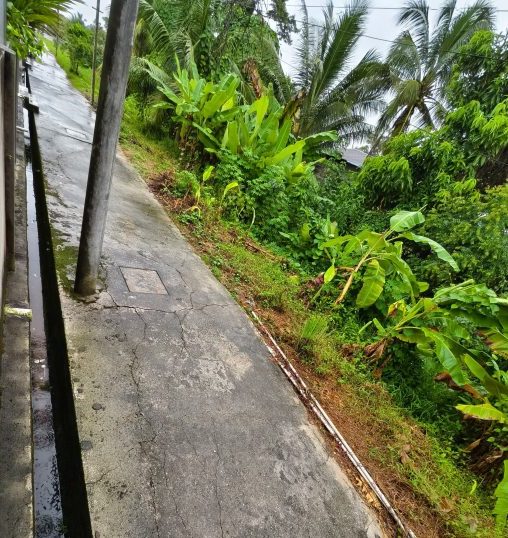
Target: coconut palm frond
<point>415,15</point>
<point>161,35</point>
<point>346,33</point>
<point>332,93</point>
<point>41,14</point>
<point>305,50</point>
<point>404,58</point>
<point>421,60</point>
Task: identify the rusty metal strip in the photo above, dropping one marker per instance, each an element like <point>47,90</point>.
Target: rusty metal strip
<point>307,396</point>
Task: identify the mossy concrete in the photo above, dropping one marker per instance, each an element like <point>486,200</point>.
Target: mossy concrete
<point>187,428</point>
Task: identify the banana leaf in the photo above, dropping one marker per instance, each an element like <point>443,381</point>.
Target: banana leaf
<point>497,341</point>
<point>448,353</point>
<point>493,386</point>
<point>484,411</point>
<point>438,249</point>
<point>221,97</point>
<point>286,153</point>
<point>405,220</point>
<point>373,284</point>
<point>501,506</point>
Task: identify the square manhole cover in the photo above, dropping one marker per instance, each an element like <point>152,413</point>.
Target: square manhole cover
<point>79,135</point>
<point>143,281</point>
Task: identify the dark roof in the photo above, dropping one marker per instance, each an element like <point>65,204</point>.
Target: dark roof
<point>354,157</point>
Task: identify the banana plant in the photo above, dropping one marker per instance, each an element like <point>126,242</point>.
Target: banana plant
<point>501,506</point>
<point>198,192</point>
<point>435,325</point>
<point>214,112</point>
<point>196,102</point>
<point>261,129</point>
<point>375,257</point>
<point>494,408</point>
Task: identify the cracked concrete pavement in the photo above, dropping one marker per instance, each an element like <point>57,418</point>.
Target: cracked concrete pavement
<point>187,427</point>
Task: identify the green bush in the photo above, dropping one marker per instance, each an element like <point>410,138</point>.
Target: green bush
<point>78,42</point>
<point>473,228</point>
<point>185,183</point>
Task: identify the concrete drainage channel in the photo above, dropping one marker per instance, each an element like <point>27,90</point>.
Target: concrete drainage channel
<point>60,500</point>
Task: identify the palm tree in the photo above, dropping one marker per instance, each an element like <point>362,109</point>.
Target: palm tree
<point>421,59</point>
<point>218,36</point>
<point>25,18</point>
<point>332,95</point>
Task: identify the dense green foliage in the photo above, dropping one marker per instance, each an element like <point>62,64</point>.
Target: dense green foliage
<point>480,71</point>
<point>472,226</point>
<point>78,43</point>
<point>219,37</point>
<point>418,166</point>
<point>78,40</point>
<point>412,302</point>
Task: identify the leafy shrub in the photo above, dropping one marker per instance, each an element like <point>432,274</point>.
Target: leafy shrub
<point>265,199</point>
<point>340,197</point>
<point>78,42</point>
<point>415,167</point>
<point>473,228</point>
<point>185,183</point>
<point>480,72</point>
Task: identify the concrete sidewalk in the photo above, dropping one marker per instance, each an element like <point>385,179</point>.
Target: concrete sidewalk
<point>187,428</point>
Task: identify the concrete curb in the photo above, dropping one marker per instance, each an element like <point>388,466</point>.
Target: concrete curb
<point>16,505</point>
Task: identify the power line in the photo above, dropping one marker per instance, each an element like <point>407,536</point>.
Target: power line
<point>385,8</point>
<point>322,27</point>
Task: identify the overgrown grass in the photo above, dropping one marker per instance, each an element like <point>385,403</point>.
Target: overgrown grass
<point>147,153</point>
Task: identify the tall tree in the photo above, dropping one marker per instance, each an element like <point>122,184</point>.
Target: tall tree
<point>332,95</point>
<point>421,59</point>
<point>481,74</point>
<point>219,36</point>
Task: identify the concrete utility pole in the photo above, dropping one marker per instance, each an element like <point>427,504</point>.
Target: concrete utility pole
<point>94,60</point>
<point>115,70</point>
<point>57,36</point>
